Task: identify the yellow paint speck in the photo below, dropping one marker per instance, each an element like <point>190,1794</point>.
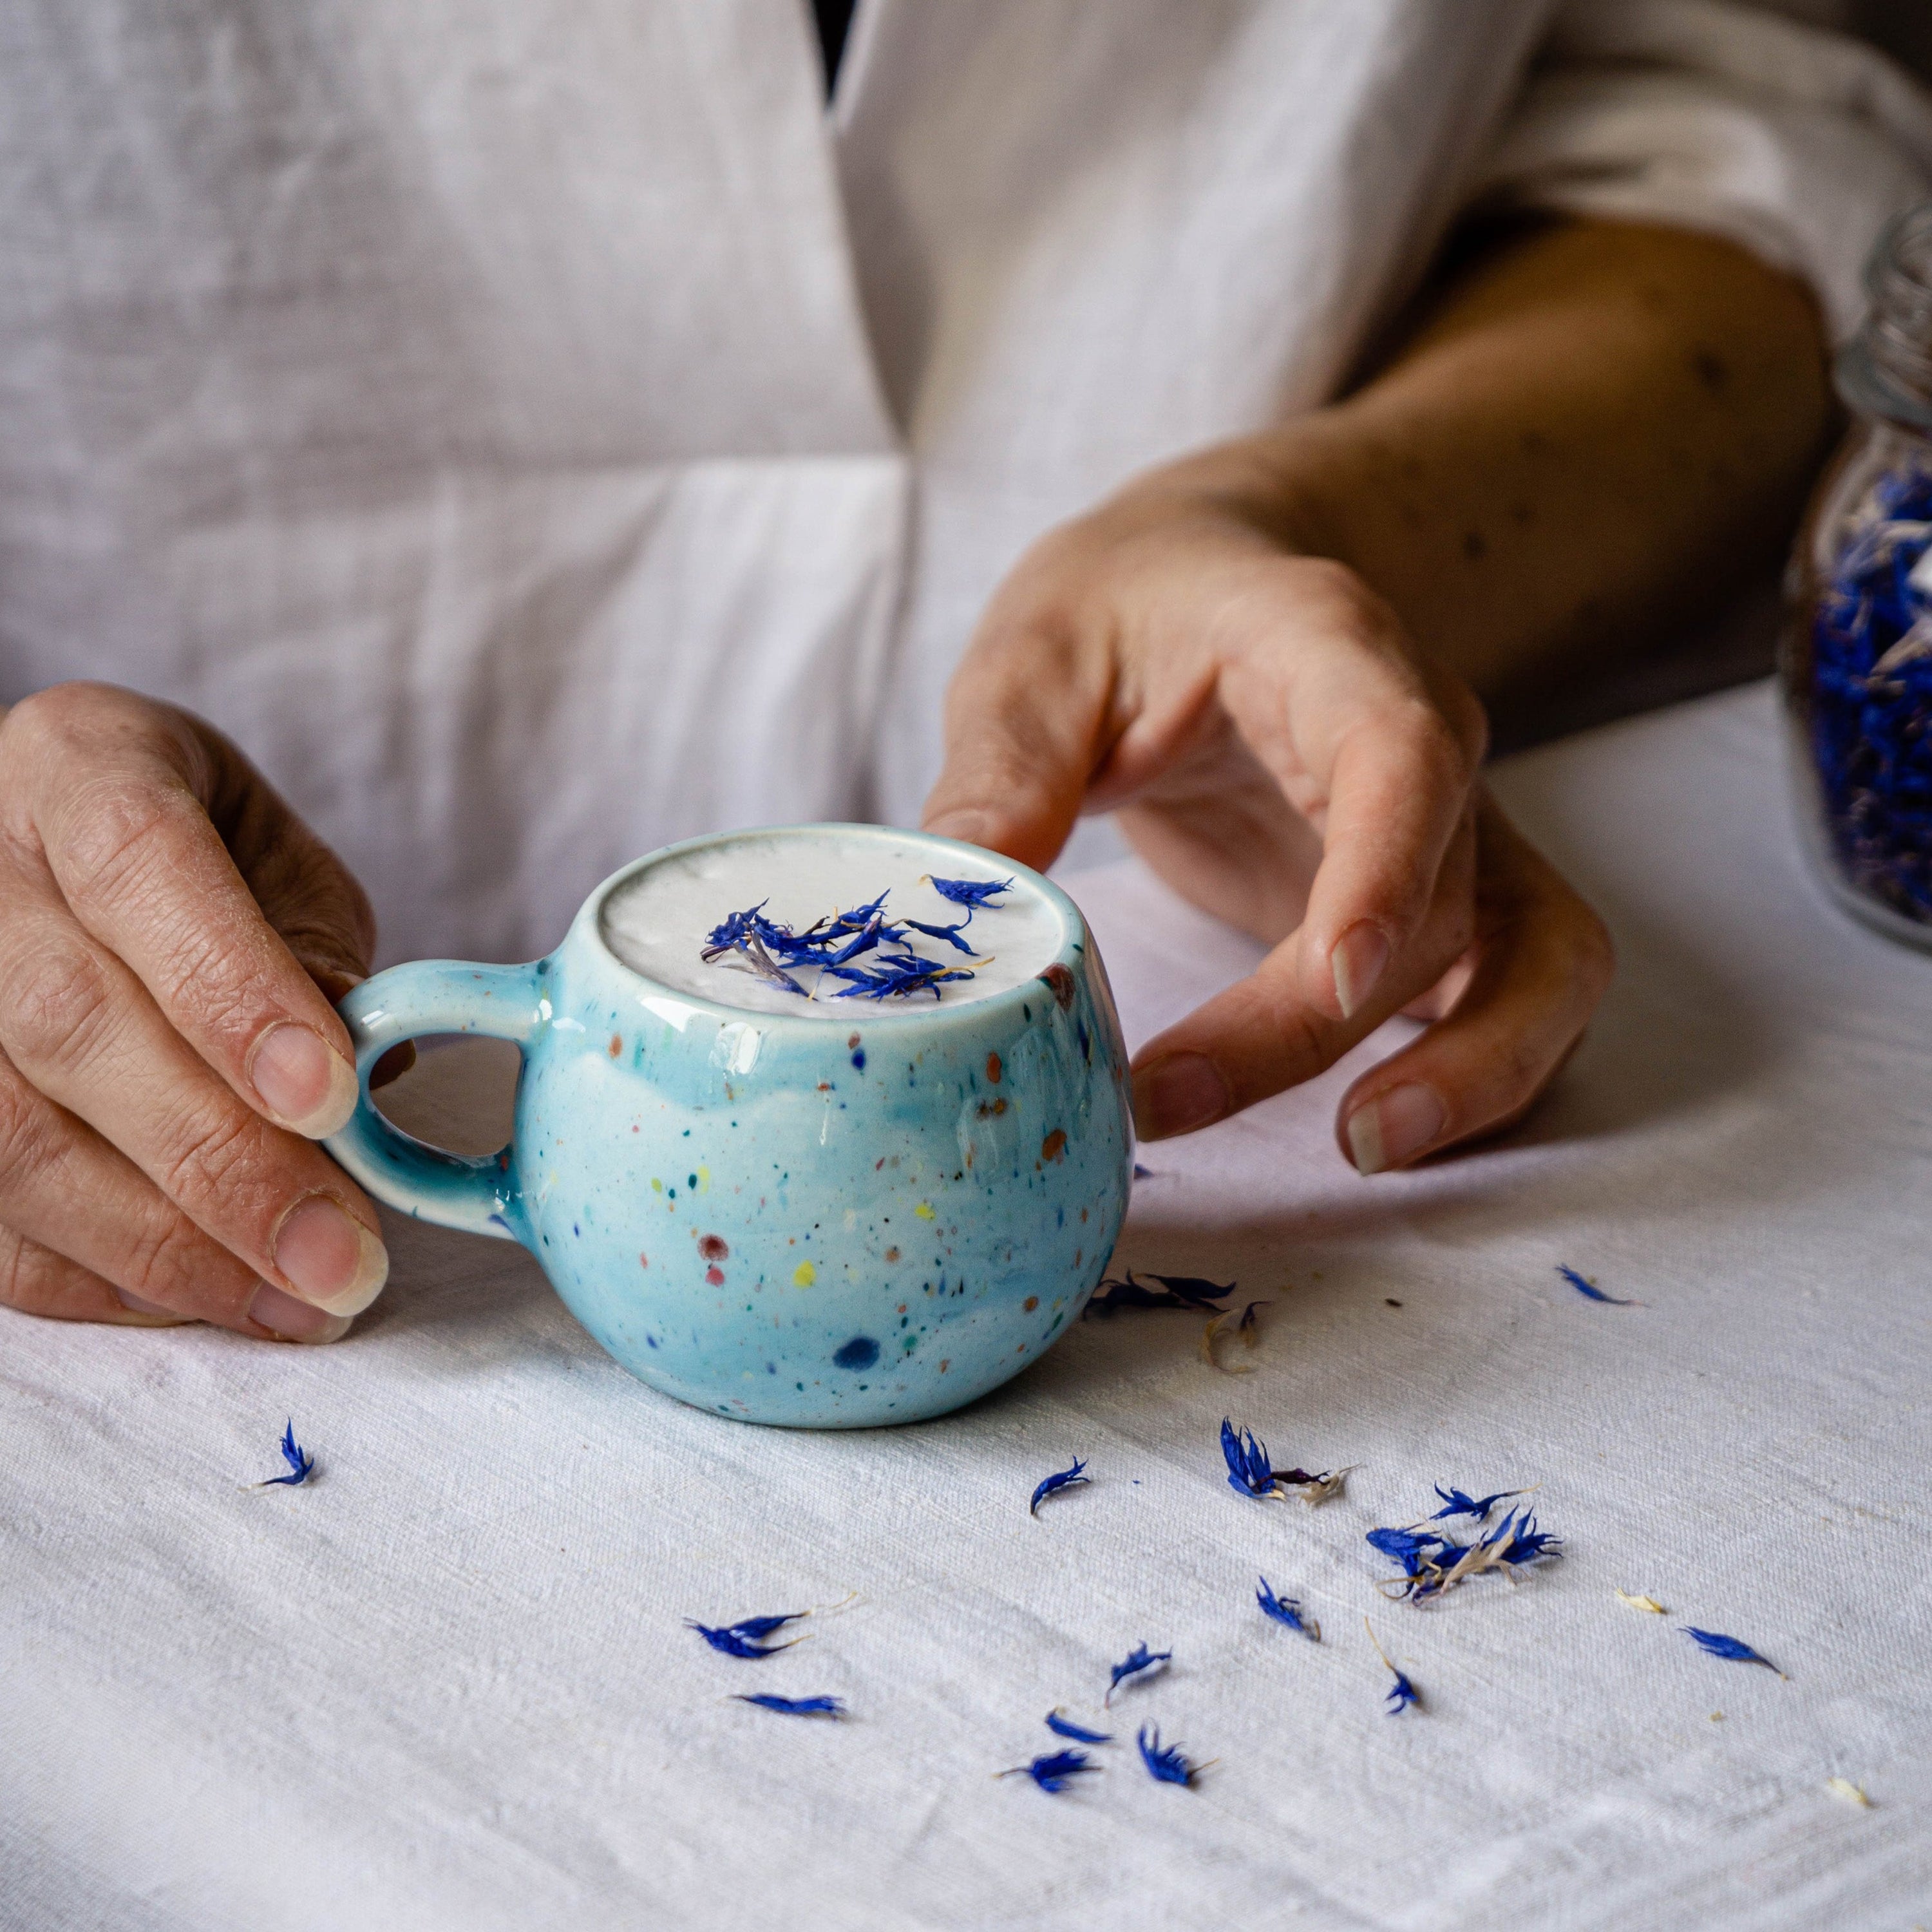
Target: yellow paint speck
<point>657,1186</point>
<point>804,1275</point>
<point>924,1211</point>
<point>704,1180</point>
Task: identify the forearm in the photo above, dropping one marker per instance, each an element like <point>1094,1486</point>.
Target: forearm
<point>1588,436</point>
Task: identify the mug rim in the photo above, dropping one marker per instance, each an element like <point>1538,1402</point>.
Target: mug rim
<point>1075,937</point>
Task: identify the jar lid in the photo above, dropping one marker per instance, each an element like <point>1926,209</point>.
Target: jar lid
<point>1886,370</point>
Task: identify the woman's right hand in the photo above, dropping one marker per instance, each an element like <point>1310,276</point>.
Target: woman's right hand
<point>169,929</point>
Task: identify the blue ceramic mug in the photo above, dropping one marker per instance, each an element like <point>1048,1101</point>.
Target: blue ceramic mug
<point>826,1213</point>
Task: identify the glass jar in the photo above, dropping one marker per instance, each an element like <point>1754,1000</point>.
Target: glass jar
<point>1856,663</point>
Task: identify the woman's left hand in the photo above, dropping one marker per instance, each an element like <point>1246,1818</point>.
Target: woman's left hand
<point>1279,752</point>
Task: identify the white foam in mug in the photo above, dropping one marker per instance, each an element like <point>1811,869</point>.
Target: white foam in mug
<point>659,923</point>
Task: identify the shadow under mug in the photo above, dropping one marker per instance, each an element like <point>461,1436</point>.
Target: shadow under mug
<point>826,1219</point>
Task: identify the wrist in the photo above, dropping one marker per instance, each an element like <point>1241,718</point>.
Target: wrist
<point>1287,484</point>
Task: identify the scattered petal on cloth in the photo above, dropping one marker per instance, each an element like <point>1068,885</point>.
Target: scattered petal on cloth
<point>1055,1772</point>
<point>1247,1328</point>
<point>745,1638</point>
<point>1287,1610</point>
<point>792,1707</point>
<point>1314,1490</point>
<point>1065,1479</point>
<point>1168,1763</point>
<point>1456,1503</point>
<point>1139,1659</point>
<point>1250,1473</point>
<point>1649,1604</point>
<point>1402,1694</point>
<point>302,1465</point>
<point>1594,1293</point>
<point>1176,1291</point>
<point>1733,1649</point>
<point>1432,1564</point>
<point>1062,1726</point>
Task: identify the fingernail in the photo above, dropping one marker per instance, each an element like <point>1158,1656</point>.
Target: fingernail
<point>295,1320</point>
<point>1356,962</point>
<point>149,1314</point>
<point>302,1081</point>
<point>969,825</point>
<point>333,1261</point>
<point>1176,1095</point>
<point>1395,1127</point>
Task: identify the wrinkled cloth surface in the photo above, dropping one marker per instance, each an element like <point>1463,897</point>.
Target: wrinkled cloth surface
<point>446,1687</point>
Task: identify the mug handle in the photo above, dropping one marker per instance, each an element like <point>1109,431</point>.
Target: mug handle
<point>479,1195</point>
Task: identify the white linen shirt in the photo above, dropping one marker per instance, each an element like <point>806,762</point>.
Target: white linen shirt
<point>537,431</point>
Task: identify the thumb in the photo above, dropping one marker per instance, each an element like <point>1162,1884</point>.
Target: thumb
<point>1023,723</point>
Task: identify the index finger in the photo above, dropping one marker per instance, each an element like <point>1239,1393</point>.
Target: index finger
<point>117,795</point>
<point>1263,1033</point>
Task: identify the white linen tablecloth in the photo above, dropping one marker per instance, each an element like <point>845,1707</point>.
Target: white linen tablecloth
<point>447,1685</point>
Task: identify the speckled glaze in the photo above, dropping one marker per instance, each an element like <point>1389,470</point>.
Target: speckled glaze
<point>780,1220</point>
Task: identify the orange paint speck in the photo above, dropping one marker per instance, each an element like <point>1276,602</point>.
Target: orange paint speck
<point>1030,1303</point>
<point>643,1260</point>
<point>1055,1144</point>
<point>892,1254</point>
<point>943,1367</point>
<point>716,1275</point>
<point>993,1069</point>
<point>616,1045</point>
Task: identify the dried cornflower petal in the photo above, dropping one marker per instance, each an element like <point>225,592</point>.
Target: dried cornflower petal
<point>792,1707</point>
<point>302,1465</point>
<point>1649,1604</point>
<point>1314,1489</point>
<point>1734,1649</point>
<point>1402,1692</point>
<point>1250,1472</point>
<point>1432,1564</point>
<point>973,892</point>
<point>1844,1787</point>
<point>1176,1291</point>
<point>1594,1293</point>
<point>755,944</point>
<point>745,1638</point>
<point>1168,1763</point>
<point>1055,1772</point>
<point>1066,1479</point>
<point>1138,1659</point>
<point>1062,1726</point>
<point>1408,1547</point>
<point>1247,1328</point>
<point>1287,1610</point>
<point>1455,1503</point>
